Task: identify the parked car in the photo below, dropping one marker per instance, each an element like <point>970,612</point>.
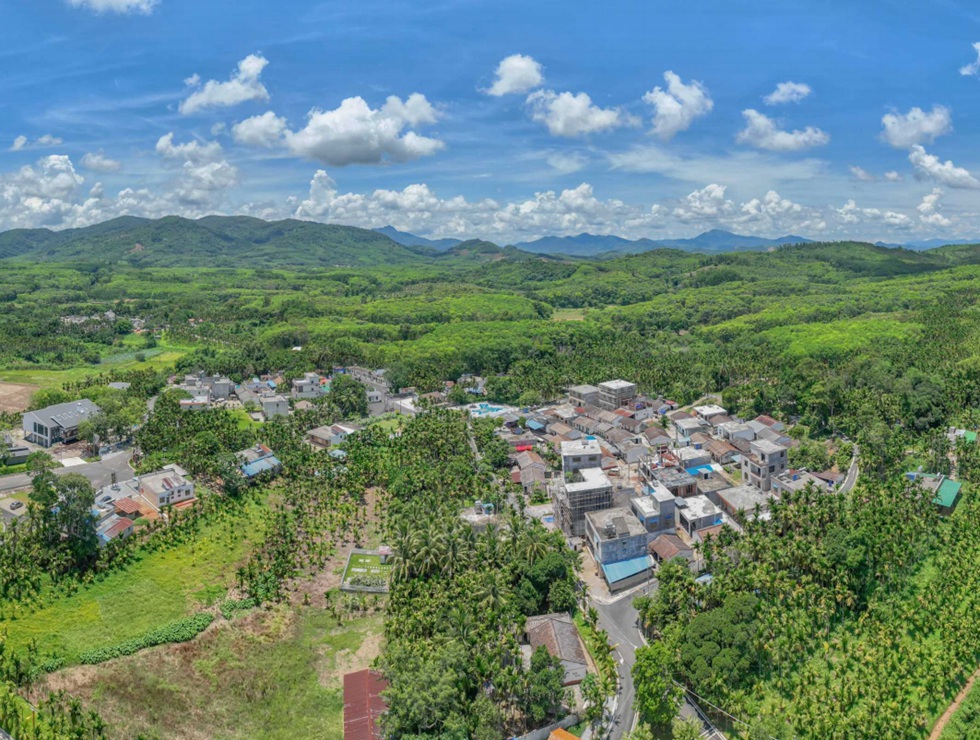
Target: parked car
<point>16,505</point>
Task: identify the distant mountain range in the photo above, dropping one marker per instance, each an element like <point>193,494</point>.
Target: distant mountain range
<point>240,241</point>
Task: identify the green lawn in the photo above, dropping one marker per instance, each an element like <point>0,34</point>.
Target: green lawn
<point>269,674</point>
<point>366,565</point>
<point>157,589</point>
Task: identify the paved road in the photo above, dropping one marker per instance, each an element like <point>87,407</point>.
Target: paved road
<point>852,473</point>
<point>620,620</point>
<point>99,473</point>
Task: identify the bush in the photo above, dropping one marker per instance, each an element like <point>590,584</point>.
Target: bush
<point>180,631</point>
<point>231,607</point>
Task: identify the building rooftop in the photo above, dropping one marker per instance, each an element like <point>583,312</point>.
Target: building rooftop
<point>745,498</point>
<point>67,415</point>
<point>615,524</point>
<point>668,546</point>
<point>590,479</point>
<point>659,492</point>
<point>765,447</point>
<point>688,424</point>
<point>647,505</point>
<point>582,390</point>
<point>617,385</point>
<point>165,480</point>
<point>675,477</point>
<point>697,507</point>
<point>709,409</point>
<point>583,446</point>
<point>626,568</point>
<point>363,704</point>
<point>557,634</point>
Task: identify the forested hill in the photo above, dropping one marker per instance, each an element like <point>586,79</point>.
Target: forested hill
<point>240,241</point>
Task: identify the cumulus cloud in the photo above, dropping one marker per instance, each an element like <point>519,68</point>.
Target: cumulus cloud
<point>851,214</point>
<point>707,204</point>
<point>677,107</point>
<point>787,92</point>
<point>116,6</point>
<point>355,133</point>
<point>192,151</point>
<point>204,173</point>
<point>772,212</point>
<point>245,85</point>
<point>973,68</point>
<point>929,209</point>
<point>930,166</point>
<point>265,130</point>
<point>41,142</point>
<point>892,176</point>
<point>516,74</point>
<point>762,132</point>
<point>904,130</point>
<point>570,114</point>
<point>99,162</point>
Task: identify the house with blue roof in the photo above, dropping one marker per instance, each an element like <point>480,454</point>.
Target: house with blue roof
<point>258,460</point>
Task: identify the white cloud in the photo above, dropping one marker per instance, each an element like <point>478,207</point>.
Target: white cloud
<point>676,108</point>
<point>762,132</point>
<point>243,86</point>
<point>41,142</point>
<point>516,74</point>
<point>571,114</point>
<point>772,213</point>
<point>851,214</point>
<point>929,209</point>
<point>862,174</point>
<point>116,6</point>
<point>265,130</point>
<point>565,163</point>
<point>787,92</point>
<point>973,68</point>
<point>903,130</point>
<point>707,204</point>
<point>99,162</point>
<point>893,176</point>
<point>930,166</point>
<point>192,151</point>
<point>355,133</point>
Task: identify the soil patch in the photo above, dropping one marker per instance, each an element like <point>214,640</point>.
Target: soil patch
<point>16,397</point>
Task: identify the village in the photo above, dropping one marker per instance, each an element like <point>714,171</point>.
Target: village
<point>631,481</point>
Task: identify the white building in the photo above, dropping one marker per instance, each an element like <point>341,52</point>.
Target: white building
<point>274,406</point>
<point>58,423</point>
<point>580,453</point>
<point>166,487</point>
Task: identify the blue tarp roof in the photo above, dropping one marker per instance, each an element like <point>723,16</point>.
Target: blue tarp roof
<point>535,425</point>
<point>699,468</point>
<point>626,568</point>
<point>260,466</point>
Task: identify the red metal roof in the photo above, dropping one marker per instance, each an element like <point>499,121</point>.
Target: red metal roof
<point>126,506</point>
<point>363,705</point>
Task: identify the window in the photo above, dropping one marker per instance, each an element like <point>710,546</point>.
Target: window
<point>576,459</point>
<point>772,468</point>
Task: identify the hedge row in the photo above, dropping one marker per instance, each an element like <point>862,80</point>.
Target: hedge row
<point>180,631</point>
<point>231,607</point>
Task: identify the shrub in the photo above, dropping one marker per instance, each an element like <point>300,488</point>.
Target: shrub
<point>180,631</point>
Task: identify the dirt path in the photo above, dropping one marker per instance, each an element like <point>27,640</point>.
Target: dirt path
<point>951,709</point>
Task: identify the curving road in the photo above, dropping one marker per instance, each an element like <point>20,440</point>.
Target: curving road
<point>99,473</point>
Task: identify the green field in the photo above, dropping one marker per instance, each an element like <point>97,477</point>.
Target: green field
<point>157,589</point>
<point>366,565</point>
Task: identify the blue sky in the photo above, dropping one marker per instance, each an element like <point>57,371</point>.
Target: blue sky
<point>503,120</point>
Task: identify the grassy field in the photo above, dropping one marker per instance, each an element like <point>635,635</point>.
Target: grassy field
<point>269,674</point>
<point>157,589</point>
<point>366,565</point>
<point>164,355</point>
<point>568,314</point>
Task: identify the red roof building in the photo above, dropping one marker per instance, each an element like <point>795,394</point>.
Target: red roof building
<point>363,705</point>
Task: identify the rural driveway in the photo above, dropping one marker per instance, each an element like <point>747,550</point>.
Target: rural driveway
<point>99,473</point>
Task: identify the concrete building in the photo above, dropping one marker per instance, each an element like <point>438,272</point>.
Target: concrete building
<point>697,513</point>
<point>657,511</point>
<point>794,480</point>
<point>582,491</point>
<point>740,502</point>
<point>615,393</point>
<point>309,386</point>
<point>765,460</point>
<point>615,535</point>
<point>12,453</point>
<point>58,423</point>
<point>668,546</point>
<point>678,481</point>
<point>579,454</point>
<point>709,412</point>
<point>691,457</point>
<point>583,395</point>
<point>274,406</point>
<point>166,487</point>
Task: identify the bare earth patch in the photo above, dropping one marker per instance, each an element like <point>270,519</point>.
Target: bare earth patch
<point>348,661</point>
<point>15,397</point>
